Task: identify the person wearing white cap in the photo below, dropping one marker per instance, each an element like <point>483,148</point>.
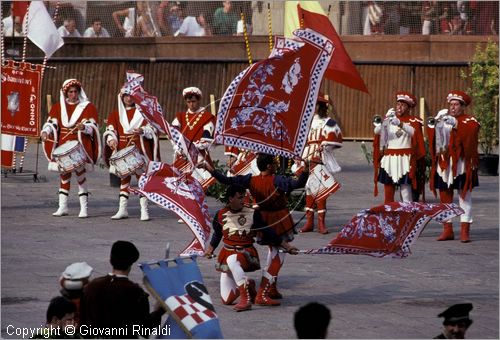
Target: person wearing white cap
<point>397,147</point>
<point>73,118</point>
<point>73,280</point>
<point>197,125</point>
<point>455,160</point>
<point>127,127</point>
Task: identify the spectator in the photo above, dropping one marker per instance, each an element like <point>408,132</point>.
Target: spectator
<point>429,14</point>
<point>170,18</point>
<point>456,321</point>
<point>8,21</point>
<point>16,30</point>
<point>194,26</point>
<point>444,20</point>
<point>311,321</point>
<point>128,26</point>
<point>146,27</point>
<point>96,30</point>
<point>113,301</point>
<point>69,29</point>
<point>487,18</point>
<point>74,278</point>
<point>225,20</point>
<point>391,18</point>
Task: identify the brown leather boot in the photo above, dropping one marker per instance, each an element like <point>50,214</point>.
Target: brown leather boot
<point>263,298</point>
<point>447,233</point>
<point>244,303</point>
<point>464,232</point>
<point>309,226</point>
<point>273,291</point>
<point>321,222</point>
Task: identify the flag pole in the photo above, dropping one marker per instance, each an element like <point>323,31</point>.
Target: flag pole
<point>269,27</point>
<point>245,36</point>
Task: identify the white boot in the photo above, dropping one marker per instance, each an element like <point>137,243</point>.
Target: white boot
<point>144,209</point>
<point>63,206</point>
<point>122,209</point>
<point>84,197</point>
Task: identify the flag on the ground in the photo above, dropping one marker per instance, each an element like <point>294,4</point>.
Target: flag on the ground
<point>182,194</point>
<point>11,144</point>
<point>41,29</point>
<point>311,15</point>
<point>388,229</point>
<point>147,104</point>
<point>269,106</point>
<point>178,286</point>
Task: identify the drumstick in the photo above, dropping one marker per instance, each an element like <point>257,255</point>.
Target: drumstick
<point>50,140</point>
<point>131,139</point>
<point>70,131</point>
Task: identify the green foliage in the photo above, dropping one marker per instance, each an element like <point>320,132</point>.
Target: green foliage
<point>368,154</point>
<point>297,201</point>
<point>218,190</point>
<point>483,75</point>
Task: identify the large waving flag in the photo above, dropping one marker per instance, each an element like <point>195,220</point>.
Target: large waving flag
<point>182,194</point>
<point>341,69</point>
<point>178,285</point>
<point>147,104</point>
<point>269,106</point>
<point>388,229</point>
<point>41,29</point>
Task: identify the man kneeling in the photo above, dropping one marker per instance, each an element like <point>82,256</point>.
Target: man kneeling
<point>237,225</point>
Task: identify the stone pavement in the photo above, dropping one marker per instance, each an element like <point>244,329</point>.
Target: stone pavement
<point>368,297</point>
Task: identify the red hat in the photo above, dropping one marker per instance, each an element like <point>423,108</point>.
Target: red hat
<point>406,97</point>
<point>460,96</point>
<point>322,98</point>
<point>71,83</point>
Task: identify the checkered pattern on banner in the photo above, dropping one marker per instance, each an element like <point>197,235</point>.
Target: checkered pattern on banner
<point>310,53</point>
<point>190,312</point>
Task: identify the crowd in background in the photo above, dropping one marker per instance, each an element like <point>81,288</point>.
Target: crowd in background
<point>194,18</point>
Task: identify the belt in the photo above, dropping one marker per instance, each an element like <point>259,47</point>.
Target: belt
<point>237,247</point>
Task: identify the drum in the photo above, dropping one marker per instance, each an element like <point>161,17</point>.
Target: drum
<point>69,156</point>
<point>128,161</point>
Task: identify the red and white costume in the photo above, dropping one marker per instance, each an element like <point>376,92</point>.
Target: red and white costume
<point>453,144</point>
<point>120,128</point>
<point>396,149</point>
<point>324,136</point>
<point>199,128</point>
<point>60,128</point>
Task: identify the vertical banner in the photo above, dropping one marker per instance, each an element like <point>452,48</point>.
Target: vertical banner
<point>21,98</point>
<point>178,285</point>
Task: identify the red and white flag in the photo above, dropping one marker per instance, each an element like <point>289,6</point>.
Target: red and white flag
<point>147,104</point>
<point>269,106</point>
<point>41,29</point>
<point>182,194</point>
<point>310,14</point>
<point>10,145</point>
<point>388,229</point>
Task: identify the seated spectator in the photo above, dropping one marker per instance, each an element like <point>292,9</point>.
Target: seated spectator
<point>170,17</point>
<point>194,26</point>
<point>96,30</point>
<point>74,278</point>
<point>444,21</point>
<point>69,29</point>
<point>225,20</point>
<point>16,30</point>
<point>311,321</point>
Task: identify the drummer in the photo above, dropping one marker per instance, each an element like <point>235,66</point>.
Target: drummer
<point>323,138</point>
<point>73,118</point>
<point>127,129</point>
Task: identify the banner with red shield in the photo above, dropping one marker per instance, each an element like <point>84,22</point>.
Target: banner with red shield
<point>21,98</point>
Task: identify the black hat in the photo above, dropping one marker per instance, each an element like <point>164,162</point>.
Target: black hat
<point>457,313</point>
<point>123,254</point>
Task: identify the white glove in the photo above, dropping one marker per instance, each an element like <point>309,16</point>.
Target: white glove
<point>395,121</point>
<point>442,113</point>
<point>450,120</point>
<point>390,113</point>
